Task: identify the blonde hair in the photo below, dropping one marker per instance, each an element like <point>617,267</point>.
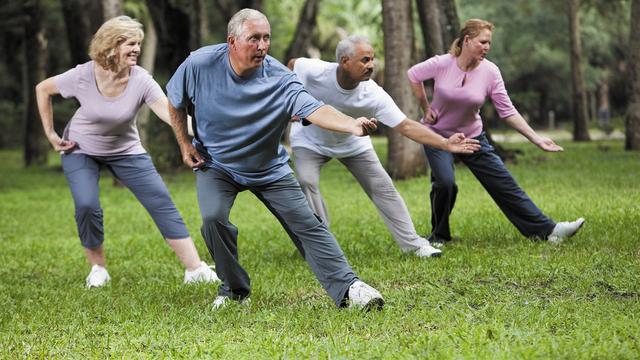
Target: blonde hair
<point>472,28</point>
<point>104,45</point>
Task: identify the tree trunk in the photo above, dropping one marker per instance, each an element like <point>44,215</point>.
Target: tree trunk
<point>82,19</point>
<point>35,47</point>
<point>228,8</point>
<point>178,30</point>
<point>147,61</point>
<point>632,122</point>
<point>449,22</point>
<point>405,157</point>
<point>430,14</point>
<point>306,26</point>
<point>112,8</point>
<point>579,96</point>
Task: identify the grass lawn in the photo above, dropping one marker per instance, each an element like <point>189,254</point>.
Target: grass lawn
<point>493,294</point>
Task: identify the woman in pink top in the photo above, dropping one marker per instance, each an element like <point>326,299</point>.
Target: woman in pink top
<point>463,81</point>
<point>102,133</point>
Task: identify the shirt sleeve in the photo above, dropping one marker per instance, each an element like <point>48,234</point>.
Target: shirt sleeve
<point>387,112</point>
<point>181,87</point>
<point>499,96</point>
<point>301,68</point>
<point>425,70</point>
<point>298,100</point>
<point>66,82</point>
<point>151,90</point>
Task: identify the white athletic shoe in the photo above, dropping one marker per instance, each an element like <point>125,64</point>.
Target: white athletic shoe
<point>221,302</point>
<point>426,251</point>
<point>565,230</point>
<point>363,296</point>
<point>98,276</point>
<point>204,273</point>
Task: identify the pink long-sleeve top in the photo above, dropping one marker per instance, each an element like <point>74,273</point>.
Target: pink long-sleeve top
<point>457,105</point>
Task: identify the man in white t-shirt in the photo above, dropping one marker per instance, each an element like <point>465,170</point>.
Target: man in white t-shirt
<point>347,86</point>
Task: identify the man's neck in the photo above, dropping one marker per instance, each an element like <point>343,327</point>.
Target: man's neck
<point>238,69</point>
<point>345,80</point>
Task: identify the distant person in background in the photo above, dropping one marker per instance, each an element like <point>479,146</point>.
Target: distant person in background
<point>463,81</point>
<point>103,134</point>
<point>347,86</point>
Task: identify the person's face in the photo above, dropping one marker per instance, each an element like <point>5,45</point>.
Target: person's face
<point>251,46</point>
<point>128,51</point>
<point>478,47</point>
<point>361,66</point>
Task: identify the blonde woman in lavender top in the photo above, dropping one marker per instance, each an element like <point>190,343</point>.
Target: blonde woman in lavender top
<point>111,88</point>
<point>464,79</point>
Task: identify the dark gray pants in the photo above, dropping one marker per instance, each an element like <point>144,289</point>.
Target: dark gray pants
<point>138,174</point>
<point>486,165</point>
<point>217,192</point>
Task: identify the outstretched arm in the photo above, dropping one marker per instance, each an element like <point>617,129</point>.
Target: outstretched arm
<point>190,155</point>
<point>44,92</point>
<point>331,119</point>
<point>161,109</point>
<point>417,132</point>
<point>517,122</point>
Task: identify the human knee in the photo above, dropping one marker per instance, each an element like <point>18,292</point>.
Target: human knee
<point>307,182</point>
<point>447,185</point>
<point>214,217</point>
<point>86,207</point>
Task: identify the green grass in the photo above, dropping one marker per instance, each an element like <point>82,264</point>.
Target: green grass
<point>493,294</point>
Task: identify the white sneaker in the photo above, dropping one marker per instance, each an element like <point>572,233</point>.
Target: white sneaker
<point>98,276</point>
<point>565,230</point>
<point>426,251</point>
<point>363,296</point>
<point>221,302</point>
<point>204,273</point>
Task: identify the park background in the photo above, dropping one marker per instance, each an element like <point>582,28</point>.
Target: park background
<point>571,67</point>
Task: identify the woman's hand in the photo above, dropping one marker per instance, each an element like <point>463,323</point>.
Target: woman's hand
<point>547,144</point>
<point>61,145</point>
<point>430,117</point>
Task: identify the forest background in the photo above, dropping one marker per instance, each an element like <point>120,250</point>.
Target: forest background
<point>532,45</point>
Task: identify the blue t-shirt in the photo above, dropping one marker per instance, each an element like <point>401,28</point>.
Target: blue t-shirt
<point>239,121</point>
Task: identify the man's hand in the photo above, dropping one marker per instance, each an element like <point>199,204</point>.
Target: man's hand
<point>191,157</point>
<point>430,117</point>
<point>547,144</point>
<point>458,143</point>
<point>364,126</point>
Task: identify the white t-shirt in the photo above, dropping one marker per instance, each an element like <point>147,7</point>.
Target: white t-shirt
<point>368,100</point>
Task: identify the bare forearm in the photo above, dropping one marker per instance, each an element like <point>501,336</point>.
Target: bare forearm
<point>179,124</point>
<point>517,122</point>
<point>421,134</point>
<point>421,95</point>
<point>331,119</point>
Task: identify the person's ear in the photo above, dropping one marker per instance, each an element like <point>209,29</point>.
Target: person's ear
<point>231,40</point>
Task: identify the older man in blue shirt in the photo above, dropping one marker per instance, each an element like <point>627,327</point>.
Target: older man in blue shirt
<point>243,100</point>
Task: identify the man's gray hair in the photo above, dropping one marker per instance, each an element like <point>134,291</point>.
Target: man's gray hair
<point>234,28</point>
<point>347,46</point>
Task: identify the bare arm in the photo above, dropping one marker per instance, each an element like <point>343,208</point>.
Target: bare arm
<point>517,122</point>
<point>331,119</point>
<point>430,116</point>
<point>291,63</point>
<point>161,108</point>
<point>44,92</point>
<point>417,132</point>
<point>190,155</point>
